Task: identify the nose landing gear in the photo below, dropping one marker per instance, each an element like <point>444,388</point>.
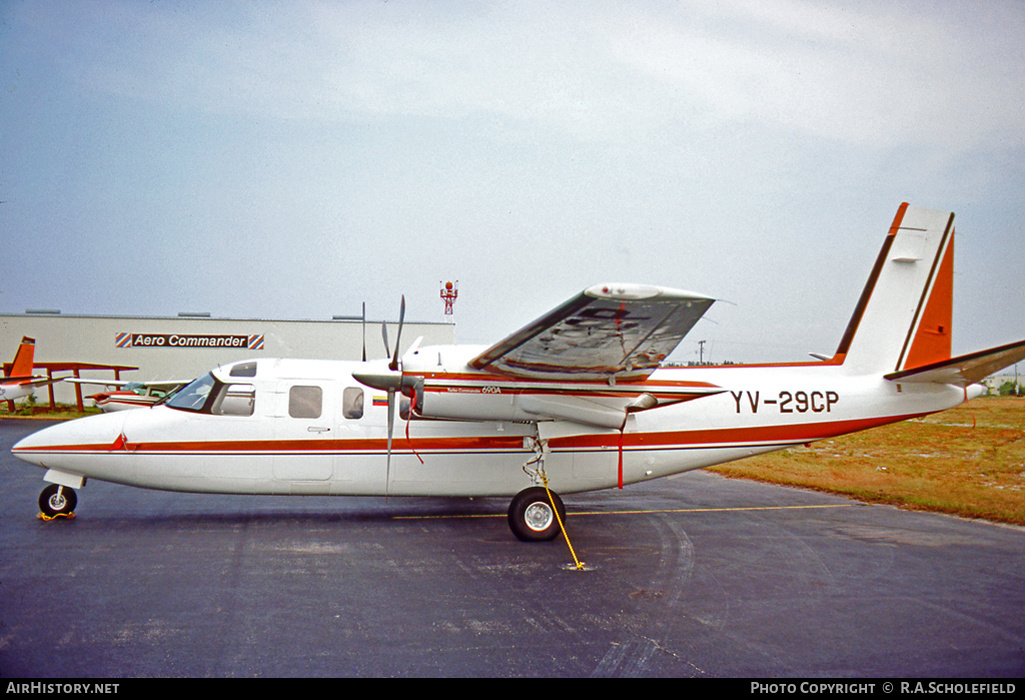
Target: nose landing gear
<point>57,501</point>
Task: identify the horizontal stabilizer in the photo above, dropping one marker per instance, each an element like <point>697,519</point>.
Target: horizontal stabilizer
<point>32,380</point>
<point>966,369</point>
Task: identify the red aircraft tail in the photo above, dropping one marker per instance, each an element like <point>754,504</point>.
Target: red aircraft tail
<point>24,358</point>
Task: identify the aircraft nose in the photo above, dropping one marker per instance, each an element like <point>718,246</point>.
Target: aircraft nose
<point>51,444</point>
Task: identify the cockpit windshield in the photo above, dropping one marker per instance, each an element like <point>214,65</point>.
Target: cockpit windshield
<point>193,396</point>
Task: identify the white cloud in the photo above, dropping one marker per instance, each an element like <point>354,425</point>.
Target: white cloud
<point>868,75</point>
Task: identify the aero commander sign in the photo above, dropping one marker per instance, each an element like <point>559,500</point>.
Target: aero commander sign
<point>175,340</point>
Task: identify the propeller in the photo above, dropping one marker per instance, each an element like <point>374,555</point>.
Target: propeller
<point>394,367</point>
<point>390,381</point>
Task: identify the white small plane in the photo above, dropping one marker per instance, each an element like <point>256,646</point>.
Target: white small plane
<point>122,394</point>
<point>21,382</point>
<point>575,401</point>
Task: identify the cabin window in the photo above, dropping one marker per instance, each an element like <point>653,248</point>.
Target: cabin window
<point>305,401</point>
<point>352,403</point>
<point>243,369</point>
<point>235,400</point>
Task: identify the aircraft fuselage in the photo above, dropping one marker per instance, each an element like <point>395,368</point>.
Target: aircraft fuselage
<point>309,427</point>
<point>13,391</point>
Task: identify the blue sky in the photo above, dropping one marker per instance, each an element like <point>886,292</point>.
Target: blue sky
<point>296,159</point>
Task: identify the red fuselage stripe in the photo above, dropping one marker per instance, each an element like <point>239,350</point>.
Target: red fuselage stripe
<point>673,439</point>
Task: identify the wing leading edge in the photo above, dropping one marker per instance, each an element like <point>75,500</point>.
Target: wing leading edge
<point>608,331</point>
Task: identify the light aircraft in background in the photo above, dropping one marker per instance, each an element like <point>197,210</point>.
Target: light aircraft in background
<point>575,401</point>
<point>123,394</point>
<point>21,382</point>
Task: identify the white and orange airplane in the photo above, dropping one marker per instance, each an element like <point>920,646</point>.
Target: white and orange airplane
<point>21,382</point>
<point>575,401</point>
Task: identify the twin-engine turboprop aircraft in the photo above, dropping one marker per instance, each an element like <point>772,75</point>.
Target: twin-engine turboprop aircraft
<point>575,401</point>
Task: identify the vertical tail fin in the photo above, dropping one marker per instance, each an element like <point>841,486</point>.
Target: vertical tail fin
<point>24,358</point>
<point>903,318</point>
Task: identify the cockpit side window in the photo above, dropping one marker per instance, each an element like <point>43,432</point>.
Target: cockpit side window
<point>234,400</point>
<point>207,395</point>
<point>305,401</point>
<point>352,403</point>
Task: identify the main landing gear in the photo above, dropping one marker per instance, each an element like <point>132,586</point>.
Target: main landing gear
<point>56,501</point>
<point>531,516</point>
<point>536,514</point>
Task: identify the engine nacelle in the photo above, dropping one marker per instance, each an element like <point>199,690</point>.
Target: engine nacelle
<point>493,404</point>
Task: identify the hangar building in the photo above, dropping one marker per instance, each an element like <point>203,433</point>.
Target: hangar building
<point>188,345</point>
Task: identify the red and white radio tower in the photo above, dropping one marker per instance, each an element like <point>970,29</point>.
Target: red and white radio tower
<point>449,294</point>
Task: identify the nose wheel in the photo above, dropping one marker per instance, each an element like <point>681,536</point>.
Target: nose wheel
<point>56,501</point>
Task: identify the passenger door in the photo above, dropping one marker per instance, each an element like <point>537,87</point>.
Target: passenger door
<point>304,433</point>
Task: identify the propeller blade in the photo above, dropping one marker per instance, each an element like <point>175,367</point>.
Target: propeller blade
<point>391,427</point>
<point>398,340</point>
<point>364,331</point>
<point>391,382</point>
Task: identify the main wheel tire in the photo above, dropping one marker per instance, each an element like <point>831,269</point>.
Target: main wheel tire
<point>531,517</point>
<point>57,500</point>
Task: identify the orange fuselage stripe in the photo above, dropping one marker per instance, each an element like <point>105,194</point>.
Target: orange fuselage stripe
<point>673,439</point>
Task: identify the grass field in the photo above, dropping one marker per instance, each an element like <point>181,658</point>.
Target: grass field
<point>968,461</point>
<point>43,412</point>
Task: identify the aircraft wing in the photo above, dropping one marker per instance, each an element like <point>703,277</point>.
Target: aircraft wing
<point>164,384</point>
<point>98,382</point>
<point>966,369</point>
<point>610,331</point>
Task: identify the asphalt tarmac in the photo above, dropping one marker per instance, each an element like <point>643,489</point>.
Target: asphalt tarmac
<point>695,576</point>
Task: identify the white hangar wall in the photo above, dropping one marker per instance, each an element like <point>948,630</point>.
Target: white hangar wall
<point>183,347</point>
